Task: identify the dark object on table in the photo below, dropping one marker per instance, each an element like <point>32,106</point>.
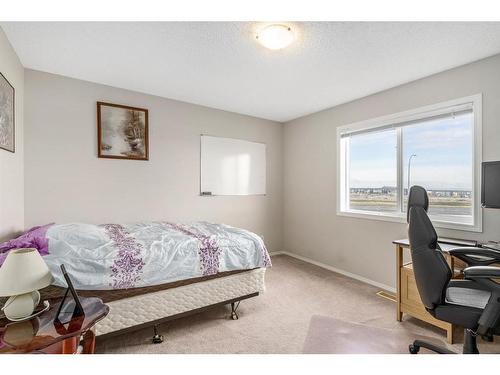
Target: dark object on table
<point>472,303</point>
<point>490,184</point>
<point>76,309</point>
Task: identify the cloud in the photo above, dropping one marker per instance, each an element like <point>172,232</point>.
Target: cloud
<point>444,155</point>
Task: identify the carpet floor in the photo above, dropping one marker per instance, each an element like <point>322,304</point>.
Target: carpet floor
<point>284,319</point>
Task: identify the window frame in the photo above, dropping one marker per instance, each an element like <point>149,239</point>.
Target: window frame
<point>420,113</point>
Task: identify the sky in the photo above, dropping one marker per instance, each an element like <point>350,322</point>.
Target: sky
<point>443,148</point>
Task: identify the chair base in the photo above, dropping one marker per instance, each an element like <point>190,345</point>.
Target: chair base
<point>470,345</point>
<point>417,344</point>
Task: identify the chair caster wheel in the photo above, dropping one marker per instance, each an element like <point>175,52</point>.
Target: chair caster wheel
<point>487,338</point>
<point>234,316</point>
<point>414,349</point>
<point>157,339</point>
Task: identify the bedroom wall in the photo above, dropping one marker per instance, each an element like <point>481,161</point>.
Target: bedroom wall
<point>66,182</point>
<point>11,164</point>
<point>363,247</point>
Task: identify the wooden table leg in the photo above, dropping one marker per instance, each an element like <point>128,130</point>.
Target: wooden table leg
<point>399,264</point>
<point>70,345</point>
<point>88,342</point>
<point>450,330</point>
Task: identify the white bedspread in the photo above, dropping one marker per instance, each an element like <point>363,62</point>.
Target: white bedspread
<point>120,256</point>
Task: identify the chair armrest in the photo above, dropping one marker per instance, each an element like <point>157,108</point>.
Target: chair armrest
<point>484,276</point>
<point>482,272</point>
<point>476,256</point>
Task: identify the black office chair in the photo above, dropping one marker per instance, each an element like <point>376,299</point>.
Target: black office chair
<point>472,303</point>
<point>472,256</point>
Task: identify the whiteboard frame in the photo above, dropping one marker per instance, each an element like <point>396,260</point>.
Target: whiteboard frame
<point>231,195</point>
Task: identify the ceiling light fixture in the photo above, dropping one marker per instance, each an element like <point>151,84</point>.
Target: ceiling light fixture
<point>276,36</point>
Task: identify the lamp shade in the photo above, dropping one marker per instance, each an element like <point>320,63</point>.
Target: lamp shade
<point>23,271</point>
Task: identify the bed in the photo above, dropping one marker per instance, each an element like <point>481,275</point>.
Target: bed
<point>148,273</point>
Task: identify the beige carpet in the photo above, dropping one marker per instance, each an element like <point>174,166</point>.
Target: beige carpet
<point>279,320</point>
<point>334,336</point>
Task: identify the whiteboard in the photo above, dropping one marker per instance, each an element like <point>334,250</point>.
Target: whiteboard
<point>232,167</point>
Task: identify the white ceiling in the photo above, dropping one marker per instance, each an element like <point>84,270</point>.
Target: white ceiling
<point>220,64</point>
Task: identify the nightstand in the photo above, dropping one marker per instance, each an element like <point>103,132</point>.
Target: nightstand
<point>42,335</point>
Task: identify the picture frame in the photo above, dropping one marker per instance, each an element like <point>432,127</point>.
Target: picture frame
<point>7,115</point>
<point>76,310</point>
<point>122,132</point>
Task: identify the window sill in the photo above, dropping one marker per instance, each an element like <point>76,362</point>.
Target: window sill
<point>401,218</point>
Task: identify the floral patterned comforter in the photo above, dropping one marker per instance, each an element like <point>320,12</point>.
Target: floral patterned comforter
<point>121,256</point>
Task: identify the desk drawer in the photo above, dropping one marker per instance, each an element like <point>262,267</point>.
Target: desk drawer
<point>410,299</point>
<point>409,291</point>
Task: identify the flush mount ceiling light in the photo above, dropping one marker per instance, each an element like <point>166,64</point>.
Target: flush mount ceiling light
<point>276,36</point>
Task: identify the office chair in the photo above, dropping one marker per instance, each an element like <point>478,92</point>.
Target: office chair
<point>472,256</point>
<point>472,303</point>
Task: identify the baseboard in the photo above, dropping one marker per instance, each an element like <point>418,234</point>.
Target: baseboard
<point>342,272</point>
<point>275,253</point>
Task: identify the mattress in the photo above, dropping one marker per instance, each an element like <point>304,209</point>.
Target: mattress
<point>144,308</point>
<point>54,293</point>
<point>136,255</point>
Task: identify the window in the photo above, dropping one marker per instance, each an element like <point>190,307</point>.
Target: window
<point>373,171</point>
<point>437,147</point>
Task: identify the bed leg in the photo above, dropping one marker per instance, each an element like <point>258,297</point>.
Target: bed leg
<point>234,307</point>
<point>157,338</point>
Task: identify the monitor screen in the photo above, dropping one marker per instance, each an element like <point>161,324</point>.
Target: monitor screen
<point>490,185</point>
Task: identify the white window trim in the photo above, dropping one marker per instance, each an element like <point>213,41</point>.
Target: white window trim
<point>415,114</point>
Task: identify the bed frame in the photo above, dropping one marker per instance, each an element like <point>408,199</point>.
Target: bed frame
<point>157,338</point>
<point>153,309</point>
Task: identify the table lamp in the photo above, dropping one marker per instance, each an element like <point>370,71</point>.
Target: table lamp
<point>21,275</point>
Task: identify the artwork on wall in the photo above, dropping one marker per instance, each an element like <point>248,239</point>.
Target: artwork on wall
<point>122,132</point>
<point>7,113</point>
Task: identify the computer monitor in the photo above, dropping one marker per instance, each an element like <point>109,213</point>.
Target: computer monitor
<point>490,184</point>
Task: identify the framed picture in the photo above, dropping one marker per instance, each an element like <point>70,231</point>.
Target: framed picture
<point>122,132</point>
<point>7,114</point>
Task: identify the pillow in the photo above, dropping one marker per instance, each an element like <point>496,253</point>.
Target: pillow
<point>35,237</point>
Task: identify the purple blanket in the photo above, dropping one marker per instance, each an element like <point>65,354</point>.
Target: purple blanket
<point>35,237</point>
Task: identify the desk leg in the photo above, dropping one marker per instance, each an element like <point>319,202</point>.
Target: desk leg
<point>70,345</point>
<point>399,264</point>
<point>449,335</point>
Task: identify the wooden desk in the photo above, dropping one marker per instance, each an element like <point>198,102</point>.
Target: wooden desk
<point>408,298</point>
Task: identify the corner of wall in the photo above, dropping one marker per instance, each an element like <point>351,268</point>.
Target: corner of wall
<point>12,164</point>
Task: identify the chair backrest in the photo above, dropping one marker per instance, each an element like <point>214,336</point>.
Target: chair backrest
<point>431,271</point>
<point>417,198</point>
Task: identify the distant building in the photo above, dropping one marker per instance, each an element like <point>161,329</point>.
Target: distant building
<point>392,190</point>
<point>384,190</point>
<point>450,193</point>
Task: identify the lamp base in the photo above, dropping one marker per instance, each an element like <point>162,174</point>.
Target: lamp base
<point>21,306</point>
